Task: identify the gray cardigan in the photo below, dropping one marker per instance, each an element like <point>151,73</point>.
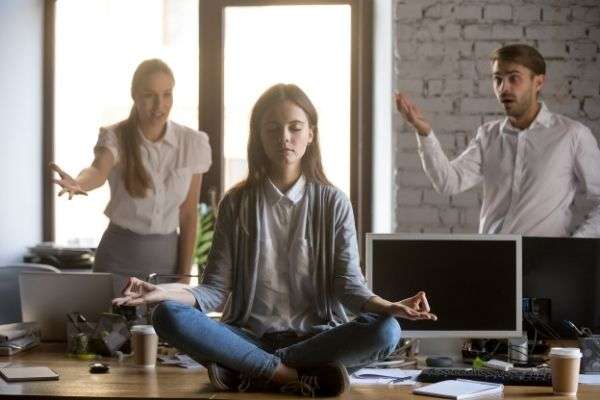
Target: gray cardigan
<point>229,280</point>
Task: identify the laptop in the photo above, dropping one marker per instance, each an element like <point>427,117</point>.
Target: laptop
<point>47,298</point>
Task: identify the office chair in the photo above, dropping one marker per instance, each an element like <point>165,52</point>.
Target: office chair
<point>10,306</point>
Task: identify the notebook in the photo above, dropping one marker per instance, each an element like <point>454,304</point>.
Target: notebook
<point>20,374</point>
<point>460,389</point>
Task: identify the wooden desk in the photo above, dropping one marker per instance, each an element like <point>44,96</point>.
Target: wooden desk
<point>169,382</point>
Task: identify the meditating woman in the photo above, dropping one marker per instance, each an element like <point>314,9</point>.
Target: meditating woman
<point>284,268</point>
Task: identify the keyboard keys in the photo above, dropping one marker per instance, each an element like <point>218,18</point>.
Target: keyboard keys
<point>511,377</point>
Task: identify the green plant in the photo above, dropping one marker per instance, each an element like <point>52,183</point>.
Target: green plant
<point>205,231</point>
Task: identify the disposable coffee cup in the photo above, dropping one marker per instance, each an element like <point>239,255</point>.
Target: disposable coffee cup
<point>565,370</point>
<point>144,341</point>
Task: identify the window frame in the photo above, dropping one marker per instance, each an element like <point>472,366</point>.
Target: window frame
<point>211,114</point>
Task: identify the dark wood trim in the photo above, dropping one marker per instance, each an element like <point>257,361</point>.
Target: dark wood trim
<point>361,145</point>
<point>210,107</point>
<point>48,120</point>
<point>211,97</point>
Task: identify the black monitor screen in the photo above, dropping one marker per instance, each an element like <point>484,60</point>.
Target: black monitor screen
<point>471,284</point>
<point>567,272</point>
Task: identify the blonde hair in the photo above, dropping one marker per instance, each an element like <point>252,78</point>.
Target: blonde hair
<point>136,178</point>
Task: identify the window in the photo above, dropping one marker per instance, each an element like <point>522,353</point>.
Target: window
<point>98,45</point>
<point>324,47</point>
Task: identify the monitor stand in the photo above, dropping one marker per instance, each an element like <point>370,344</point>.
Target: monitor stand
<point>447,347</point>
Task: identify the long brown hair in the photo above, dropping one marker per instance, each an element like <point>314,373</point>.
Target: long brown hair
<point>258,161</point>
<point>136,178</point>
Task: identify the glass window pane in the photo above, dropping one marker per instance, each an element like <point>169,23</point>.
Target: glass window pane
<point>99,43</point>
<point>305,45</point>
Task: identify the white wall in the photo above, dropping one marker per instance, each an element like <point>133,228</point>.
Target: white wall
<point>21,66</point>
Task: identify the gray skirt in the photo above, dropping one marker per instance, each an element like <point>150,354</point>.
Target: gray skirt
<point>125,253</point>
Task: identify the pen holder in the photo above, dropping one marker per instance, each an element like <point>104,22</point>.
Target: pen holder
<point>590,347</point>
<point>78,339</point>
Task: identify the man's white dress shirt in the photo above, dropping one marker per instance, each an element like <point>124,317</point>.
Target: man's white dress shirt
<point>529,176</point>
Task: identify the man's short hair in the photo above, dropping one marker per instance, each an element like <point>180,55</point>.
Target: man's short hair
<point>521,54</point>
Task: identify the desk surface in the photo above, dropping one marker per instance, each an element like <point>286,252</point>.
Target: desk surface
<point>125,381</point>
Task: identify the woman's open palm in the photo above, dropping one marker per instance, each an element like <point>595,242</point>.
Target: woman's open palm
<point>67,183</point>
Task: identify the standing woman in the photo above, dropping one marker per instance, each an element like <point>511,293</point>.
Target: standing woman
<point>154,169</point>
<point>284,268</point>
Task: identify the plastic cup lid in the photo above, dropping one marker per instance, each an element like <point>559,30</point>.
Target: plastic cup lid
<point>571,352</point>
<point>143,329</point>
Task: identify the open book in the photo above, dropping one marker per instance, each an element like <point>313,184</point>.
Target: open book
<point>460,389</point>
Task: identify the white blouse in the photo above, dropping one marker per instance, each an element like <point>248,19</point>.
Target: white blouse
<point>170,162</point>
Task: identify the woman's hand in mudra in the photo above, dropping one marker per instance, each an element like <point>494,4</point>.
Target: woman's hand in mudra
<point>413,308</point>
<point>138,292</point>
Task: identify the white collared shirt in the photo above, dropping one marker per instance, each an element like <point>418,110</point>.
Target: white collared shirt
<point>170,163</point>
<point>285,284</point>
<point>529,176</point>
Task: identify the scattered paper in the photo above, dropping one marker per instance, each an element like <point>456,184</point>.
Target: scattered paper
<point>180,360</point>
<point>384,376</point>
<point>589,379</point>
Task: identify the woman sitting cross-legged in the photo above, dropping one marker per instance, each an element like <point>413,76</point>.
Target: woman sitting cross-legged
<point>284,268</point>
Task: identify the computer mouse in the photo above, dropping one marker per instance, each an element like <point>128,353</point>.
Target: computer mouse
<point>438,361</point>
<point>98,368</point>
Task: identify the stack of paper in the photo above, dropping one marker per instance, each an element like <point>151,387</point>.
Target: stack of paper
<point>460,389</point>
<point>18,337</point>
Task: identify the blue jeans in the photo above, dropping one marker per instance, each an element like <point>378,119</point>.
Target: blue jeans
<point>366,339</point>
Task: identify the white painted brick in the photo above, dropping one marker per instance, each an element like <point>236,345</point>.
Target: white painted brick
<point>527,13</point>
<point>436,229</point>
<point>569,107</point>
<point>430,49</point>
<point>559,69</point>
<point>431,197</point>
<point>483,49</point>
<point>581,87</point>
<point>468,12</point>
<point>458,87</point>
<point>511,32</point>
<point>485,105</point>
<point>591,107</point>
<point>485,88</point>
<point>409,11</point>
<point>417,215</point>
<point>477,32</point>
<point>587,14</point>
<point>466,199</point>
<point>404,32</point>
<point>409,197</point>
<point>438,11</point>
<point>555,14</point>
<point>416,179</point>
<point>469,217</point>
<point>457,123</point>
<point>557,88</point>
<point>589,70</point>
<point>435,104</point>
<point>447,140</point>
<point>465,229</point>
<point>434,87</point>
<point>406,142</point>
<point>484,70</point>
<point>594,34</point>
<point>497,12</point>
<point>466,70</point>
<point>410,86</point>
<point>407,228</point>
<point>408,161</point>
<point>552,48</point>
<point>449,216</point>
<point>553,32</point>
<point>583,49</point>
<point>405,49</point>
<point>458,48</point>
<point>450,31</point>
<point>427,68</point>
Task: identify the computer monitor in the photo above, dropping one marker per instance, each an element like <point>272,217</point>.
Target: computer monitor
<point>47,298</point>
<point>565,271</point>
<point>473,282</point>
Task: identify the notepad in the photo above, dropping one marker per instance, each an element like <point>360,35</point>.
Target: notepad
<point>20,374</point>
<point>460,389</point>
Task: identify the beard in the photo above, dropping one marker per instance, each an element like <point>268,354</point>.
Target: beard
<point>516,108</point>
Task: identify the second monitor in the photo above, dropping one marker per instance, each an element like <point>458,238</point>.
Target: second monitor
<point>473,282</point>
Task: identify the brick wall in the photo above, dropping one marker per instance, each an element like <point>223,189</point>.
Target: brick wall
<point>441,59</point>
